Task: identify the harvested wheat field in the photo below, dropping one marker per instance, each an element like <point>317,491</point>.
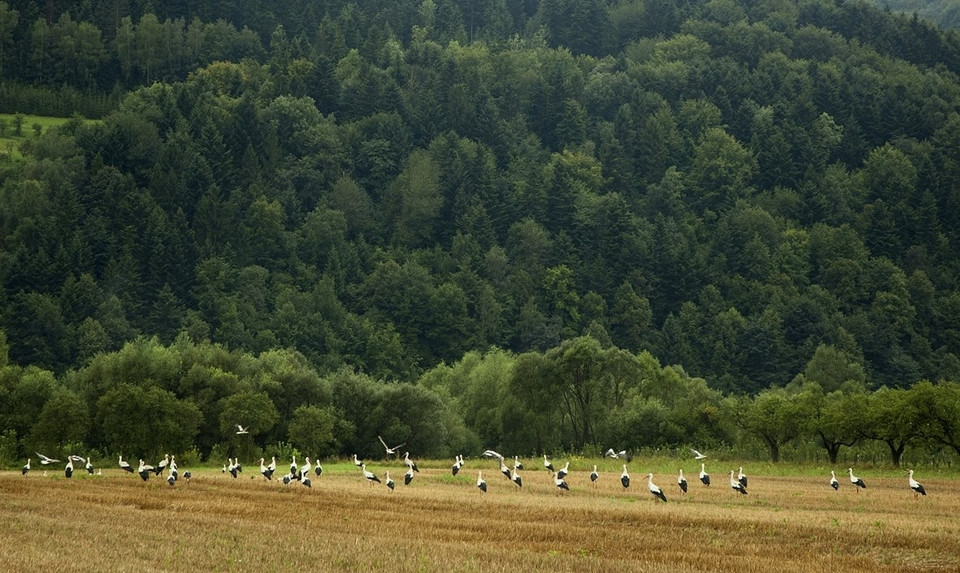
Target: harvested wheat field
<point>440,522</point>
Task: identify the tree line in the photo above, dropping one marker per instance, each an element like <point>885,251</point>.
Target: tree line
<point>149,399</point>
<point>740,190</point>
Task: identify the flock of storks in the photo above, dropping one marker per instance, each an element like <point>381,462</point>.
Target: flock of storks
<point>738,480</point>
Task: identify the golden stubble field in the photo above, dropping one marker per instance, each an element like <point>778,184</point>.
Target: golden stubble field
<point>116,522</point>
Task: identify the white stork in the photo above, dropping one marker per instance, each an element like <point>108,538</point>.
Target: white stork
<point>625,477</point>
<point>44,460</point>
<point>173,468</point>
<point>241,430</point>
<point>273,465</point>
<point>171,479</point>
<point>187,476</point>
<point>265,471</point>
<point>704,476</point>
<point>457,464</point>
<point>390,451</point>
<point>357,461</point>
<point>482,485</point>
<point>293,466</point>
<point>594,475</point>
<point>916,486</point>
<point>124,465</point>
<point>833,481</point>
<point>610,453</point>
<point>515,478</point>
<point>88,465</point>
<point>286,479</point>
<point>547,464</point>
<point>736,485</point>
<point>697,455</point>
<point>305,469</point>
<point>370,476</point>
<point>26,468</point>
<point>68,471</point>
<point>408,477</point>
<point>654,490</point>
<point>562,473</point>
<point>410,463</point>
<point>742,477</point>
<point>561,485</point>
<point>492,454</point>
<point>162,465</point>
<point>305,480</point>
<point>232,468</point>
<point>317,468</point>
<point>389,480</point>
<point>504,469</point>
<point>682,483</point>
<point>517,464</point>
<point>856,481</point>
<point>144,470</point>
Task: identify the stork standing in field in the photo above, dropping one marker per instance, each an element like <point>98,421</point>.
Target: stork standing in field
<point>68,471</point>
<point>162,465</point>
<point>682,483</point>
<point>410,463</point>
<point>390,451</point>
<point>265,471</point>
<point>408,477</point>
<point>457,464</point>
<point>26,468</point>
<point>742,477</point>
<point>124,465</point>
<point>547,464</point>
<point>317,468</point>
<point>187,476</point>
<point>389,480</point>
<point>561,485</point>
<point>594,475</point>
<point>856,481</point>
<point>174,471</point>
<point>915,486</point>
<point>625,478</point>
<point>504,469</point>
<point>357,461</point>
<point>481,485</point>
<point>370,476</point>
<point>655,490</point>
<point>305,469</point>
<point>562,473</point>
<point>833,481</point>
<point>736,485</point>
<point>515,478</point>
<point>305,480</point>
<point>171,479</point>
<point>704,476</point>
<point>144,470</point>
<point>88,465</point>
<point>233,468</point>
<point>517,464</point>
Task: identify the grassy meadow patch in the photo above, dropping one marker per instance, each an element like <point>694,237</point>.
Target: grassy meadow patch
<point>440,522</point>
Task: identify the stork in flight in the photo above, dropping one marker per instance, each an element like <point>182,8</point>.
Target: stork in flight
<point>241,430</point>
<point>390,451</point>
<point>697,455</point>
<point>44,460</point>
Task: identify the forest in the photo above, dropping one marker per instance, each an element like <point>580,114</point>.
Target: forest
<point>539,226</point>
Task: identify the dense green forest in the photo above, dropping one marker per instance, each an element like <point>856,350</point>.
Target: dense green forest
<point>478,224</point>
<point>945,13</point>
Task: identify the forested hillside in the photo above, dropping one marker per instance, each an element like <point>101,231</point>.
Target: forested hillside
<point>754,192</point>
